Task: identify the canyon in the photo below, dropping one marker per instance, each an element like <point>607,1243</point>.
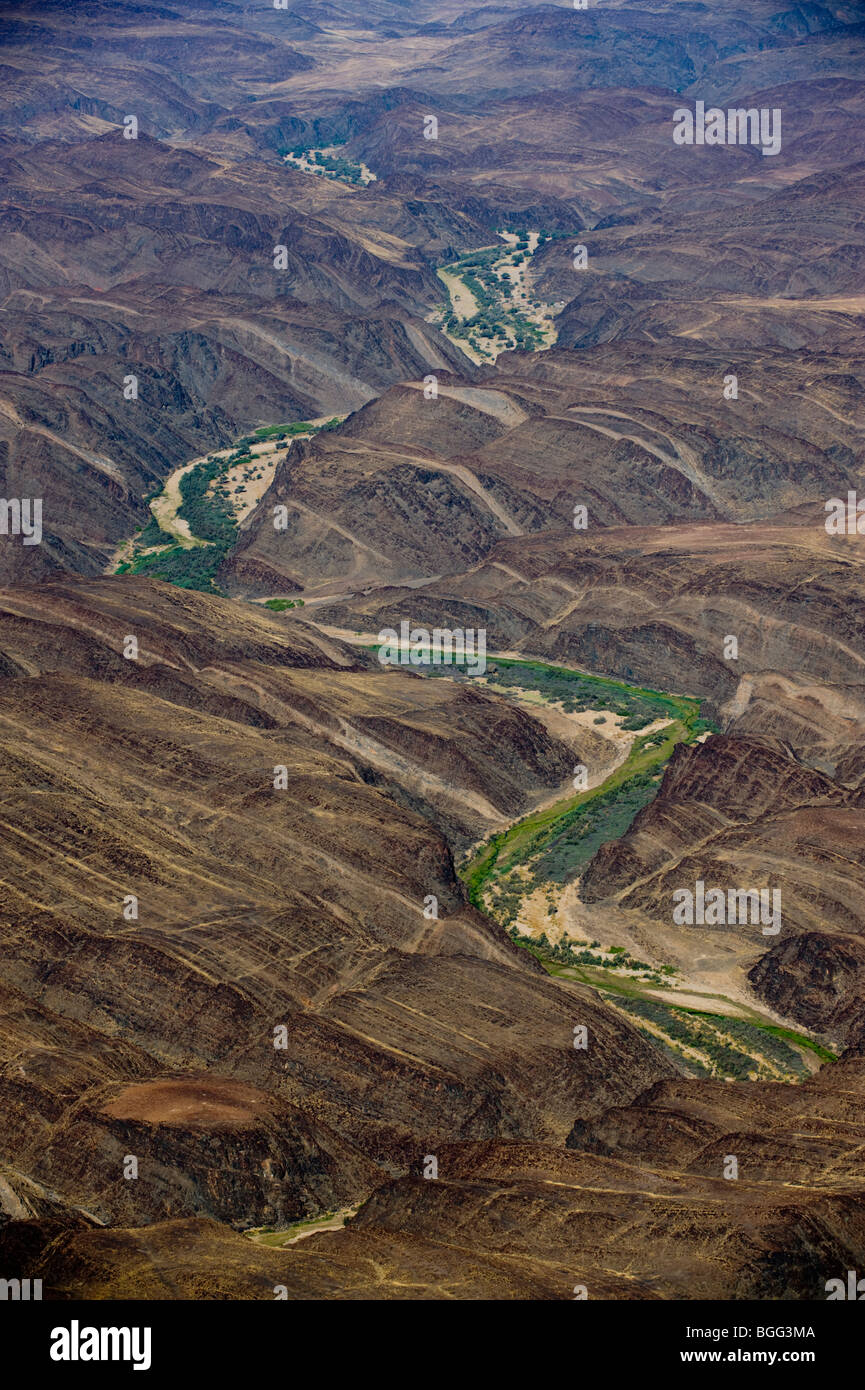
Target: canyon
<point>281,923</point>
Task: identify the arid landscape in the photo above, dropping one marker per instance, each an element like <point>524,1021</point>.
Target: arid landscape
<point>432,650</point>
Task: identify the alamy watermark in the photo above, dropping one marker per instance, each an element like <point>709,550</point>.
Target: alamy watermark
<point>444,646</point>
<point>20,1290</point>
<point>21,516</point>
<point>853,1290</point>
<point>845,518</point>
<point>740,907</point>
<point>77,1343</point>
<point>737,126</point>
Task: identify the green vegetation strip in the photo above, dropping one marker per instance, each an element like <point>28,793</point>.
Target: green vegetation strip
<point>289,431</point>
<point>741,1048</point>
<point>210,520</point>
<point>786,1035</point>
<point>561,837</point>
<point>209,515</point>
<point>496,317</point>
<point>537,832</point>
<point>334,165</point>
<point>614,802</point>
<point>755,1035</point>
<point>583,690</point>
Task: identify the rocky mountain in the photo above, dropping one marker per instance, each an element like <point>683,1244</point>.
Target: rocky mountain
<point>413,486</point>
<point>528,1221</point>
<point>654,605</point>
<point>337,980</point>
<point>145,322</point>
<point>191,913</point>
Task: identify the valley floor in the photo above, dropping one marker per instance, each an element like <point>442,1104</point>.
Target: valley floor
<point>693,1004</point>
<point>241,475</point>
<point>492,305</point>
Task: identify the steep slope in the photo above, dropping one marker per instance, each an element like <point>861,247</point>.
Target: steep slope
<point>215,973</point>
<point>413,486</point>
<point>636,1207</point>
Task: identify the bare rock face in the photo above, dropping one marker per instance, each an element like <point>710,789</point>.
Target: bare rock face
<point>153,256</point>
<point>710,793</point>
<point>193,1145</point>
<point>242,983</point>
<point>818,980</point>
<point>214,337</point>
<point>654,607</point>
<point>513,1221</point>
<point>735,813</point>
<point>808,1132</point>
<point>412,487</point>
<point>237,984</point>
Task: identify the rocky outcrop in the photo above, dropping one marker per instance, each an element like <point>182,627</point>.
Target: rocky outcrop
<point>818,980</point>
<point>272,995</point>
<point>710,792</point>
